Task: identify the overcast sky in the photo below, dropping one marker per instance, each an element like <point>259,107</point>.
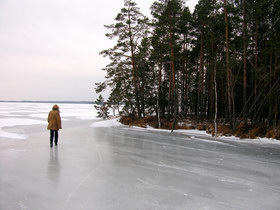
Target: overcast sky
<point>49,49</point>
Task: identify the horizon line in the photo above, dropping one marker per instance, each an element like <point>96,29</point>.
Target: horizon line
<point>49,101</point>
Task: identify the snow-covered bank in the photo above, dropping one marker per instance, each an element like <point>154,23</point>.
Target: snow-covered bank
<point>107,123</point>
<point>197,133</point>
<point>193,133</point>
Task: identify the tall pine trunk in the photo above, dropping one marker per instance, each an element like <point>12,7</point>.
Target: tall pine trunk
<point>172,67</point>
<point>255,75</point>
<point>201,74</point>
<point>135,75</point>
<point>230,96</point>
<point>244,29</point>
<point>216,96</point>
<point>159,96</point>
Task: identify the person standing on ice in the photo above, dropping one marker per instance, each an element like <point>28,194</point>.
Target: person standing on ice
<point>54,125</point>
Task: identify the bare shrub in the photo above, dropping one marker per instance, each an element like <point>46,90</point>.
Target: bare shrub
<point>201,127</point>
<point>126,120</point>
<point>166,124</point>
<point>139,123</point>
<point>185,127</point>
<point>257,131</point>
<point>241,130</point>
<point>273,133</point>
<point>225,130</point>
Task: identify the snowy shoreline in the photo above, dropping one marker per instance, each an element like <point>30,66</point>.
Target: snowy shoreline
<point>191,133</point>
<point>29,114</point>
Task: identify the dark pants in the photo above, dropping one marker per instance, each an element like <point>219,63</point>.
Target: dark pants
<point>55,134</point>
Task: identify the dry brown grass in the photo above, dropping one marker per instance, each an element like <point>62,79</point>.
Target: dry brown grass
<point>252,133</point>
<point>143,122</point>
<point>211,129</point>
<point>273,133</point>
<point>153,124</point>
<point>241,130</point>
<point>185,127</point>
<point>224,130</point>
<point>166,124</point>
<point>150,119</point>
<point>139,123</point>
<point>257,131</point>
<point>127,120</point>
<point>201,127</point>
<point>244,136</point>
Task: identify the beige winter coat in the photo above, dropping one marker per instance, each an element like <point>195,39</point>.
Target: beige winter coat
<point>54,119</point>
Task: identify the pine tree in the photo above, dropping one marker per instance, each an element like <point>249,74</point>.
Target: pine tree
<point>129,29</point>
<point>102,108</point>
<point>166,38</point>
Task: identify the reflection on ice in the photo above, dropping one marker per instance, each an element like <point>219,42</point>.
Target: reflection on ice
<point>54,166</point>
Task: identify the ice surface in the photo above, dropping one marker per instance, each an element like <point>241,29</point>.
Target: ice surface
<point>99,166</point>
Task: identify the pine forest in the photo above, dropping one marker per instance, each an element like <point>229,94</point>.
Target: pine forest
<point>217,67</point>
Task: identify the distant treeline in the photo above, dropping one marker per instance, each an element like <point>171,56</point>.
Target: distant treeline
<point>220,62</point>
<point>53,102</point>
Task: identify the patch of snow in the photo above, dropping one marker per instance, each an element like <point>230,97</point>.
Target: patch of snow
<point>193,133</point>
<point>11,135</point>
<point>11,115</point>
<point>107,123</point>
<point>11,122</point>
<point>268,141</point>
<point>41,110</point>
<point>44,116</point>
<point>41,115</point>
<point>85,115</point>
<point>156,129</point>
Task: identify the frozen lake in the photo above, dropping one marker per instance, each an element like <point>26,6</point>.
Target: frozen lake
<point>104,165</point>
